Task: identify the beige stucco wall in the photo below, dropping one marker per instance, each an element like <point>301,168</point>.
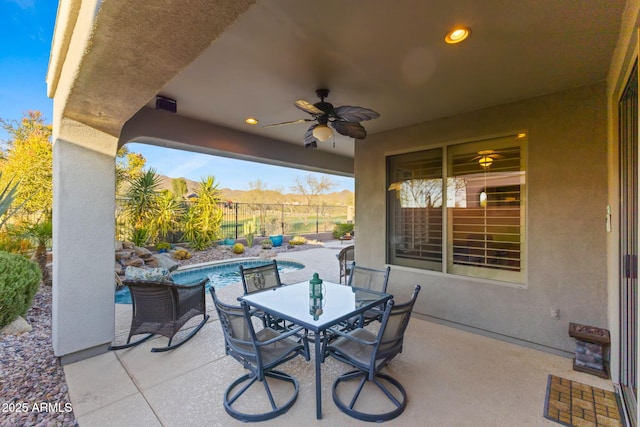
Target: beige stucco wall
<point>566,203</point>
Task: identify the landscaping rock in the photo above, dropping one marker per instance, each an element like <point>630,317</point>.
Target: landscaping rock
<point>17,327</point>
<point>151,262</point>
<point>142,252</point>
<point>124,254</point>
<point>165,261</point>
<point>134,262</point>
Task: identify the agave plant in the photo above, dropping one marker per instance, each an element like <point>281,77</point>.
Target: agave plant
<point>7,197</point>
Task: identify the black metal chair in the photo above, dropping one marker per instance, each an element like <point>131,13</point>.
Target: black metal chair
<point>259,352</point>
<point>345,258</point>
<point>369,353</point>
<point>163,308</point>
<point>373,280</point>
<point>260,278</point>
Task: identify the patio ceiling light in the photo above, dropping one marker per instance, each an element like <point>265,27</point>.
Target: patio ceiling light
<point>322,133</point>
<point>457,35</point>
<point>251,121</point>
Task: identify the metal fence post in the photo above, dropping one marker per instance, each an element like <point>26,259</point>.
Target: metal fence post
<point>236,206</point>
<point>282,218</point>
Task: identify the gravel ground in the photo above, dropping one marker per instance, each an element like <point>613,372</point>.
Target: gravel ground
<point>224,252</point>
<point>34,391</point>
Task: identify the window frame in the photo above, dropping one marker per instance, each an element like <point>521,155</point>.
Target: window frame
<point>480,274</point>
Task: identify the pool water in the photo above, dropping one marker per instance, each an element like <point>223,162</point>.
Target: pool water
<point>220,275</point>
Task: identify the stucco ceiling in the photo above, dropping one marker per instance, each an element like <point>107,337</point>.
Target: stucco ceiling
<point>390,56</point>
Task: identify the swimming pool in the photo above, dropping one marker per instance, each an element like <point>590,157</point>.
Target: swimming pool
<point>220,274</point>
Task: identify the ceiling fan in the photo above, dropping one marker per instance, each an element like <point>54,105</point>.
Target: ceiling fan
<point>486,157</point>
<point>345,120</point>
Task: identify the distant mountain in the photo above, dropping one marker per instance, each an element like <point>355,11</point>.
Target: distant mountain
<point>344,197</point>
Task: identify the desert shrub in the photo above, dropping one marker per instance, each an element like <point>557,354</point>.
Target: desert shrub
<point>266,244</point>
<point>19,281</point>
<point>181,254</point>
<point>15,244</point>
<point>297,240</point>
<point>341,229</point>
<point>162,246</point>
<point>238,248</point>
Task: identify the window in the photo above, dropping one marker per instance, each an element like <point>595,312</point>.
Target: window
<point>482,233</point>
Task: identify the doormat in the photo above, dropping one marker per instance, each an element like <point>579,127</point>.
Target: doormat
<point>574,404</point>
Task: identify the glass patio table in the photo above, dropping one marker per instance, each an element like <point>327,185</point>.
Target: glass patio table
<point>338,303</point>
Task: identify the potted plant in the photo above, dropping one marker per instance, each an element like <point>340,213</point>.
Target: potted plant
<point>163,247</point>
<point>276,239</point>
<point>266,244</point>
<point>229,241</point>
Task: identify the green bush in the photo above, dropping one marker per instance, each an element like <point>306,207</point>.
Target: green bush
<point>341,229</point>
<point>19,281</point>
<point>267,244</point>
<point>238,248</point>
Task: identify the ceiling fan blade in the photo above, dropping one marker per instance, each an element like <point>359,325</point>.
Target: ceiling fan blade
<point>308,107</point>
<point>288,123</point>
<point>355,114</point>
<point>309,140</point>
<point>350,129</point>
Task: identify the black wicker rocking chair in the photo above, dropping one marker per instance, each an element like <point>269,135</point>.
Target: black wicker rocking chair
<point>163,308</point>
<point>369,353</point>
<point>259,352</point>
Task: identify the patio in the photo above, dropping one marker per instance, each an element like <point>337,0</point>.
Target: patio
<point>452,377</point>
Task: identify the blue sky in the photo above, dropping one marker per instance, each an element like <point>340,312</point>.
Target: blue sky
<point>26,32</point>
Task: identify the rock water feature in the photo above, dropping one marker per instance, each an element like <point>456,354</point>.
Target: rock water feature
<point>127,254</point>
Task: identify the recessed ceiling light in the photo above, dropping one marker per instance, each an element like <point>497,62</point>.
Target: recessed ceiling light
<point>522,135</point>
<point>457,35</point>
<point>251,121</point>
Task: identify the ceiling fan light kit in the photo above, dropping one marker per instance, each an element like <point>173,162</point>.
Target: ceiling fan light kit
<point>322,133</point>
<point>345,120</point>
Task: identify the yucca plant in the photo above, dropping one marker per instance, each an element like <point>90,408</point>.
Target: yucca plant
<point>7,197</point>
<point>203,220</point>
<point>142,199</point>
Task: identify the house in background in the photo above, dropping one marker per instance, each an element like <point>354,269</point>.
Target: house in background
<point>501,174</point>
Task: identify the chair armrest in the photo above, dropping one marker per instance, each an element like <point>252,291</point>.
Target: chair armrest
<point>351,337</point>
<point>280,337</point>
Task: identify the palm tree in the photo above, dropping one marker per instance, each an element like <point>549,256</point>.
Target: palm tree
<point>41,233</point>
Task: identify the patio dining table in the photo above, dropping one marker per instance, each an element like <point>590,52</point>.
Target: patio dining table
<point>294,304</point>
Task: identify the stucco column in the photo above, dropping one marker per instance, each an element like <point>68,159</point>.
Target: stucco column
<point>83,241</point>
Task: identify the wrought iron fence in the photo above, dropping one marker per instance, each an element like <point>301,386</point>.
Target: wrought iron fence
<point>270,219</point>
<point>282,218</point>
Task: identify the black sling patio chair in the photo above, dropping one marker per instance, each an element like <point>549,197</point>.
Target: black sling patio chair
<point>163,308</point>
<point>345,258</point>
<point>260,278</point>
<point>259,352</point>
<point>369,353</point>
<point>373,280</point>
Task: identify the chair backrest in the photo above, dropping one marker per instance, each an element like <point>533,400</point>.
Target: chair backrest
<point>346,255</point>
<point>394,323</point>
<point>239,334</point>
<point>369,278</point>
<point>259,278</point>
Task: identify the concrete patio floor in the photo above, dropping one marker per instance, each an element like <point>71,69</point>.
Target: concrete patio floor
<point>452,377</point>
